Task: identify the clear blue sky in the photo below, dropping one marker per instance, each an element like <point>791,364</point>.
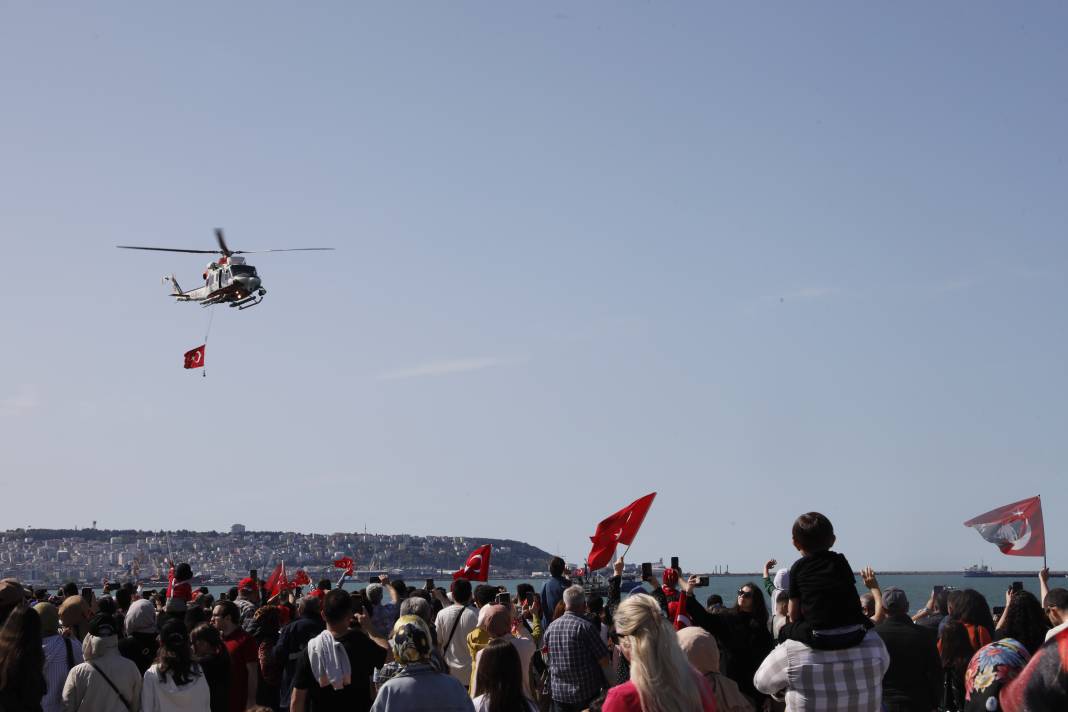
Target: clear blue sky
<point>761,259</point>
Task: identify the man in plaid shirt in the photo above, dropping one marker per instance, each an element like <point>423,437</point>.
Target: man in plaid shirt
<point>578,658</point>
<point>848,680</point>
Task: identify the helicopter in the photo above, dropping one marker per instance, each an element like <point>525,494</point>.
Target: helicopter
<point>227,280</point>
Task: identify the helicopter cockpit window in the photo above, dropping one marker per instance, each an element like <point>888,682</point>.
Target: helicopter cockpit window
<point>236,270</point>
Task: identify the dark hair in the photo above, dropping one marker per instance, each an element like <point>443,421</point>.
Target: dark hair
<point>556,566</point>
<point>813,532</point>
<point>595,604</point>
<point>500,677</point>
<point>174,655</point>
<point>1025,621</point>
<point>956,646</point>
<point>1057,598</point>
<point>325,584</point>
<point>760,608</point>
<point>941,601</point>
<point>337,606</point>
<point>230,610</point>
<point>400,587</point>
<point>124,597</point>
<point>974,609</point>
<point>714,600</point>
<point>105,604</point>
<point>461,591</point>
<point>484,594</point>
<point>195,615</point>
<point>232,593</point>
<point>522,590</point>
<point>182,572</point>
<point>205,633</point>
<point>41,594</point>
<point>21,657</point>
<point>70,589</point>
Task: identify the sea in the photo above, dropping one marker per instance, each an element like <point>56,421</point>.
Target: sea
<point>917,586</point>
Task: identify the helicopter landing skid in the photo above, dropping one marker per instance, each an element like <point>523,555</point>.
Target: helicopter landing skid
<point>248,302</point>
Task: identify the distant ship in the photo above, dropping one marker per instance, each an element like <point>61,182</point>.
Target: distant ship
<point>977,571</point>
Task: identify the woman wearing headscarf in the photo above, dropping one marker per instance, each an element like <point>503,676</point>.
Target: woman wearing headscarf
<point>661,678</point>
<point>418,686</point>
<point>702,651</point>
<point>21,658</point>
<point>993,667</point>
<point>141,642</point>
<point>498,623</point>
<point>414,606</point>
<point>61,654</point>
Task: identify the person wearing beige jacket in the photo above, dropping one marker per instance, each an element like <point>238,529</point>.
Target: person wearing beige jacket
<point>106,681</point>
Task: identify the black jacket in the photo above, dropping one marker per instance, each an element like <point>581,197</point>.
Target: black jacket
<point>913,682</point>
<point>746,640</point>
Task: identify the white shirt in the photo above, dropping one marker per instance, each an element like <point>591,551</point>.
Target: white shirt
<point>1055,630</point>
<point>849,680</point>
<point>456,655</point>
<point>158,695</point>
<point>481,704</point>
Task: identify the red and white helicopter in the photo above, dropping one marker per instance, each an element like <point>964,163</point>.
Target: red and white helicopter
<point>228,279</point>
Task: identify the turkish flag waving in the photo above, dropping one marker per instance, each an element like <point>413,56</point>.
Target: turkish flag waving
<point>618,528</point>
<point>277,581</point>
<point>195,358</point>
<point>1016,528</point>
<point>345,562</point>
<point>301,578</point>
<point>476,568</point>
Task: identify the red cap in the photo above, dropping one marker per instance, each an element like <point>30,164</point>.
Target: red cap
<point>246,584</point>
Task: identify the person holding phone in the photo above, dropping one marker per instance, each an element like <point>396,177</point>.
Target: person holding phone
<point>1023,619</point>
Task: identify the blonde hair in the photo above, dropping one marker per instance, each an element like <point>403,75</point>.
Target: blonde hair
<point>658,668</point>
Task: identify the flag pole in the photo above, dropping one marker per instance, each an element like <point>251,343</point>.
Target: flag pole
<point>624,554</point>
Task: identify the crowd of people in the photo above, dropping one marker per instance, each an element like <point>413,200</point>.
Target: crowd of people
<point>390,647</point>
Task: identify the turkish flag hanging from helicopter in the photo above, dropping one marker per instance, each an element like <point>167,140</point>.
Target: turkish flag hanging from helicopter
<point>195,358</point>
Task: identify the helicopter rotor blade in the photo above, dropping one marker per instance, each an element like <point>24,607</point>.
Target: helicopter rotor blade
<point>167,249</point>
<point>222,242</point>
<point>288,249</point>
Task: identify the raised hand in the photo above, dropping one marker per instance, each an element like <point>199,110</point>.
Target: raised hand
<point>617,568</point>
<point>768,566</point>
<point>867,575</point>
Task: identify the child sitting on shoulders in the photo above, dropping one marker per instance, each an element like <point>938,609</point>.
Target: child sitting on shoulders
<point>824,608</point>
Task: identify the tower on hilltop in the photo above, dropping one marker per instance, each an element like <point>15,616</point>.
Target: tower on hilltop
<point>237,528</point>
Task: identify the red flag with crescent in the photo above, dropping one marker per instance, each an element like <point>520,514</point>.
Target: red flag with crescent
<point>278,581</point>
<point>301,578</point>
<point>476,568</point>
<point>1016,528</point>
<point>195,358</point>
<point>345,562</point>
<point>618,528</point>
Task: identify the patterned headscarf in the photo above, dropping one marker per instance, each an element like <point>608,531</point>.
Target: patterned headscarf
<point>990,668</point>
<point>410,641</point>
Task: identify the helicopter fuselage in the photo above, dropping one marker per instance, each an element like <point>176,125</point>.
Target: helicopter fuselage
<point>226,280</point>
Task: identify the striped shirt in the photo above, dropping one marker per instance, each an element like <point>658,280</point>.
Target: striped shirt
<point>849,680</point>
<point>56,669</point>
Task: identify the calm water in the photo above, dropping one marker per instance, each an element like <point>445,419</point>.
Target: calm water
<point>916,586</point>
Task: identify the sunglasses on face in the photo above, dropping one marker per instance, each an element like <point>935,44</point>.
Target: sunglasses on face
<point>742,593</point>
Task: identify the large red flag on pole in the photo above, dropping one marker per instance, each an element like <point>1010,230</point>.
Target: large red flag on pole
<point>618,528</point>
<point>1016,528</point>
<point>476,568</point>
